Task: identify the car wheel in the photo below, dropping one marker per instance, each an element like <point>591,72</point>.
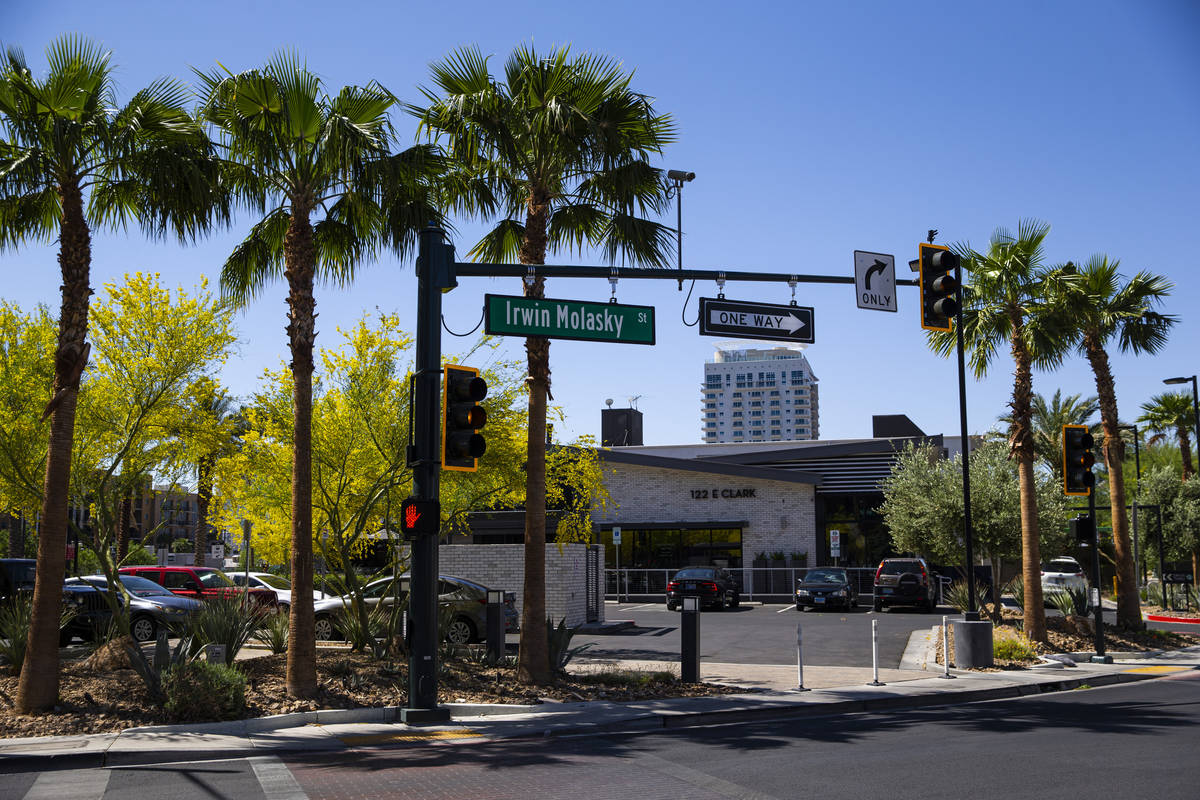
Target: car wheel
<point>737,600</point>
<point>727,601</point>
<point>323,627</point>
<point>671,606</point>
<point>878,606</point>
<point>143,629</point>
<point>460,631</point>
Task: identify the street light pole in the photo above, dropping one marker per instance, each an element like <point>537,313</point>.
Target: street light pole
<point>1195,400</point>
<point>678,178</point>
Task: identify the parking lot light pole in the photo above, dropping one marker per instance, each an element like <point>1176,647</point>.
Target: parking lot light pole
<point>689,651</point>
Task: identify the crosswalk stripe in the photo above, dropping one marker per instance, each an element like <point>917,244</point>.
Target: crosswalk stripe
<point>77,784</point>
<point>276,779</point>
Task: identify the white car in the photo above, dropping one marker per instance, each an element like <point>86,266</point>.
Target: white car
<point>281,586</point>
<point>1062,574</point>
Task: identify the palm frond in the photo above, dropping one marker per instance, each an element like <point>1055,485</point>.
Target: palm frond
<point>257,260</point>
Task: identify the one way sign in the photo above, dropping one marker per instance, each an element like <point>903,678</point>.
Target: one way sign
<point>744,320</point>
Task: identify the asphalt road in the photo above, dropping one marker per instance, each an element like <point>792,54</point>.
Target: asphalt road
<point>763,634</point>
<point>1130,740</point>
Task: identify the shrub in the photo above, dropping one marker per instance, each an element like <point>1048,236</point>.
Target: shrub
<point>1063,601</point>
<point>198,691</point>
<point>1016,588</point>
<point>558,645</point>
<point>1016,648</point>
<point>16,616</point>
<point>957,596</point>
<point>230,621</point>
<point>274,633</point>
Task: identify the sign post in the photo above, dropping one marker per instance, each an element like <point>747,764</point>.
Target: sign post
<point>616,534</point>
<point>835,545</point>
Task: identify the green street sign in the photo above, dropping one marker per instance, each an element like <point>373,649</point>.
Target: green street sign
<point>505,315</point>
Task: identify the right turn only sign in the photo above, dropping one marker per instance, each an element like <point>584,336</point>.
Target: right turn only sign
<point>875,280</point>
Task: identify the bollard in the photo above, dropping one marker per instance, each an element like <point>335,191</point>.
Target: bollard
<point>799,662</point>
<point>945,649</point>
<point>495,626</point>
<point>875,653</point>
<point>689,651</point>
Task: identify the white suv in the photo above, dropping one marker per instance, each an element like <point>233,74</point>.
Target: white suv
<point>1063,574</point>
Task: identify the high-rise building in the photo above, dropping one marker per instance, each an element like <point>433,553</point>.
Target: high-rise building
<point>761,393</point>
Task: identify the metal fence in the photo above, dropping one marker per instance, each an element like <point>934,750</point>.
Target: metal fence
<point>762,583</point>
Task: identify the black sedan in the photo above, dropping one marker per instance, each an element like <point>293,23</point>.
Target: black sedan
<point>824,588</point>
<point>714,586</point>
<point>150,605</point>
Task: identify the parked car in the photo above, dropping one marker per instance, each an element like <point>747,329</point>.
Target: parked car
<point>905,582</point>
<point>715,586</point>
<point>1063,574</point>
<point>465,601</point>
<point>16,575</point>
<point>824,588</point>
<point>150,606</point>
<point>281,586</point>
<point>200,583</point>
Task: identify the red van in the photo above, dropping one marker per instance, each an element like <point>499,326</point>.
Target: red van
<point>201,583</point>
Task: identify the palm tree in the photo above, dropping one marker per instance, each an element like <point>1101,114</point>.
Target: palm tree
<point>293,153</point>
<point>1171,412</point>
<point>220,426</point>
<point>1048,420</point>
<point>72,161</point>
<point>1004,303</point>
<point>558,151</point>
<point>1102,305</point>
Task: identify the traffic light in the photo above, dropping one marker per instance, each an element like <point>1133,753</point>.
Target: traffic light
<point>462,417</point>
<point>419,517</point>
<point>1078,459</point>
<point>1083,528</point>
<point>938,286</point>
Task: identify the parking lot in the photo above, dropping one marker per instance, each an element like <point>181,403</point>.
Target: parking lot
<point>757,633</point>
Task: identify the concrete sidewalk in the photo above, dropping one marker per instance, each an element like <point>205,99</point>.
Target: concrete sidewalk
<point>835,690</point>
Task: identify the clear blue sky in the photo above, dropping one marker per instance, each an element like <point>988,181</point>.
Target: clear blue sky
<point>814,129</point>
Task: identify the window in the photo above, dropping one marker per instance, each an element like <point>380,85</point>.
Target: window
<point>713,382</point>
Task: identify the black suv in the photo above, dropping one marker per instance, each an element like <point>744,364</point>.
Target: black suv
<point>713,585</point>
<point>905,582</point>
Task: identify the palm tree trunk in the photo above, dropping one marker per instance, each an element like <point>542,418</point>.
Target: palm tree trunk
<point>38,688</point>
<point>1129,611</point>
<point>300,255</point>
<point>204,488</point>
<point>1021,444</point>
<point>534,664</point>
<point>1185,450</point>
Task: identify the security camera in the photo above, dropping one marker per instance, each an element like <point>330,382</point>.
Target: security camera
<point>680,175</point>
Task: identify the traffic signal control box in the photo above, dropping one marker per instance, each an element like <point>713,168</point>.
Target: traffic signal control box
<point>1078,460</point>
<point>462,417</point>
<point>939,288</point>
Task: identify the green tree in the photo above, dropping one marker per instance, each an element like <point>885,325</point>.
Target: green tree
<point>1171,412</point>
<point>1180,504</point>
<point>26,375</point>
<point>923,507</point>
<point>210,432</point>
<point>557,151</point>
<point>1101,306</point>
<point>296,154</point>
<point>1006,303</point>
<point>71,161</point>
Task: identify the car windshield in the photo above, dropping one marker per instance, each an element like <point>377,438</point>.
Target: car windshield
<point>899,567</point>
<point>275,581</point>
<point>213,579</point>
<point>142,587</point>
<point>695,574</point>
<point>825,576</point>
<point>1062,566</point>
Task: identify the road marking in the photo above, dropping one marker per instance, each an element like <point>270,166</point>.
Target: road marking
<point>77,784</point>
<point>409,736</point>
<point>276,779</point>
<point>1160,669</point>
<point>785,608</point>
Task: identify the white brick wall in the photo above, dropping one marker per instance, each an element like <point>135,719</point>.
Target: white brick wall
<point>502,566</point>
<point>780,516</point>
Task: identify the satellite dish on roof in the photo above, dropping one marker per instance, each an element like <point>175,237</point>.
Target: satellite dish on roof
<point>608,402</point>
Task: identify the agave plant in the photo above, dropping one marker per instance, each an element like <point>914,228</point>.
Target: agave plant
<point>274,633</point>
<point>225,620</point>
<point>1016,588</point>
<point>958,596</point>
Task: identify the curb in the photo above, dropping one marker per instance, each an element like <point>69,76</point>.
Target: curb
<point>1164,618</point>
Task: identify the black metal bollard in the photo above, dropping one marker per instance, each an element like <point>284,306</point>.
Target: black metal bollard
<point>689,651</point>
<point>495,626</point>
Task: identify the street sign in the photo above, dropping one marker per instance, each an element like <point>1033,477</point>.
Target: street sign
<point>1177,577</point>
<point>875,280</point>
<point>835,543</point>
<point>616,533</point>
<point>506,315</point>
<point>745,320</point>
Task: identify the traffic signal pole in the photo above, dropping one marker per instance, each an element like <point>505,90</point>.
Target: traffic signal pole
<point>423,568</point>
<point>972,613</point>
<point>1100,657</point>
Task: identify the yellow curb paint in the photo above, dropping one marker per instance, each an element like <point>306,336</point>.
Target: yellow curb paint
<point>423,736</point>
<point>1160,669</point>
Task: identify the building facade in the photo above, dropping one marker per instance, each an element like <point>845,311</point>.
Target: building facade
<point>760,394</point>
